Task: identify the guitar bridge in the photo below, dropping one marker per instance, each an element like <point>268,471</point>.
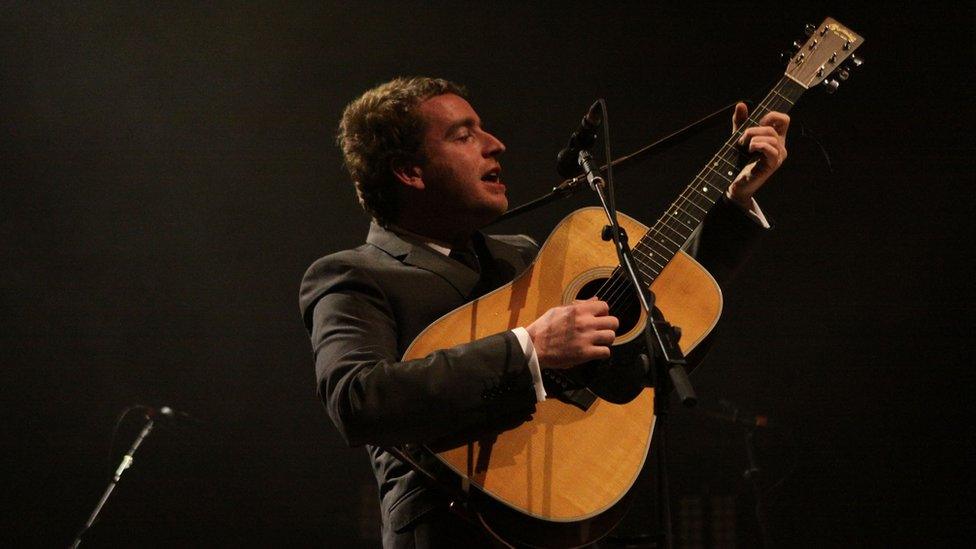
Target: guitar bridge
<point>566,389</point>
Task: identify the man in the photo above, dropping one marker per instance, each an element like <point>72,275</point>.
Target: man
<point>429,174</point>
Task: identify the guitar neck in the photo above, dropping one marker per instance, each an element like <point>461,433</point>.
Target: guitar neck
<point>675,227</point>
<point>828,46</point>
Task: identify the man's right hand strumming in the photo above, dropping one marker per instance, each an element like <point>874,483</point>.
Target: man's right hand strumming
<point>573,334</point>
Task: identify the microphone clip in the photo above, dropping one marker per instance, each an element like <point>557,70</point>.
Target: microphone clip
<point>568,161</point>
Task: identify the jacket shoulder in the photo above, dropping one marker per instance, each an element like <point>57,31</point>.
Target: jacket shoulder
<point>520,241</point>
<point>332,272</point>
<point>522,245</point>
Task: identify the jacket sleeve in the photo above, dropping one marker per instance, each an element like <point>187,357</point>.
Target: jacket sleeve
<point>728,238</point>
<point>375,398</point>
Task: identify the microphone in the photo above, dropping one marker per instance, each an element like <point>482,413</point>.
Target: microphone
<point>168,414</point>
<point>567,161</point>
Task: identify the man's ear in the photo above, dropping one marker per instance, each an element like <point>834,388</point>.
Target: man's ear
<point>409,174</point>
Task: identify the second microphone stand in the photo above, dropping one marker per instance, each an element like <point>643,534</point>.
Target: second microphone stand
<point>123,465</point>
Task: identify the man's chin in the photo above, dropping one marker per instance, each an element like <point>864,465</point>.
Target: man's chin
<point>490,212</point>
<point>501,206</point>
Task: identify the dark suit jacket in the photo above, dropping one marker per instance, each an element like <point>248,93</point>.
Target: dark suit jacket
<point>363,308</point>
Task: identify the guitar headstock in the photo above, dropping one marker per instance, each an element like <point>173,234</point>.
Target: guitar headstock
<point>824,54</point>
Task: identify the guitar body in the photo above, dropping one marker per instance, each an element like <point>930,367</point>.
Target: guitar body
<point>570,465</point>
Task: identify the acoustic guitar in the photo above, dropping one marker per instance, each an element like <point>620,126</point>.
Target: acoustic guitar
<point>562,478</point>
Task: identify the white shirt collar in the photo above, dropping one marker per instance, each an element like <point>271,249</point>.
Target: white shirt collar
<point>426,241</point>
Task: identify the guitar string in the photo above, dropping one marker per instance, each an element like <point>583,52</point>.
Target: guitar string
<point>617,290</point>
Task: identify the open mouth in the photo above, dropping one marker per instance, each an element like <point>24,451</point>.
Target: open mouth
<point>493,176</point>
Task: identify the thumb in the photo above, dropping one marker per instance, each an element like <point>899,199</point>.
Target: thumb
<point>740,115</point>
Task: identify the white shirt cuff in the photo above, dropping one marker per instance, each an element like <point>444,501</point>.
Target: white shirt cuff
<point>529,350</point>
<point>754,212</point>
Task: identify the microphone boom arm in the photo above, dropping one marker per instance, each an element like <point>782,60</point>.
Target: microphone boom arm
<point>571,186</point>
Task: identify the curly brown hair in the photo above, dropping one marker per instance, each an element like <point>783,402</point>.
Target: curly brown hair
<point>379,130</point>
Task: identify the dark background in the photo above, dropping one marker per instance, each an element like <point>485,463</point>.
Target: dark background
<point>168,173</point>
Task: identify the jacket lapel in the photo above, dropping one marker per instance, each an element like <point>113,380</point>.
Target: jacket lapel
<point>505,253</point>
<point>417,254</point>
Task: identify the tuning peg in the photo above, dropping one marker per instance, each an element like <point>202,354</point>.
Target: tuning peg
<point>831,85</point>
<point>843,74</point>
<point>786,55</point>
<point>809,29</point>
<point>852,63</point>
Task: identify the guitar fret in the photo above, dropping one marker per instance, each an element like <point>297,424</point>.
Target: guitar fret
<point>779,102</point>
<point>657,245</point>
<point>677,207</point>
<point>642,266</point>
<point>666,243</point>
<point>694,195</point>
<point>689,197</point>
<point>700,201</point>
<point>731,150</point>
<point>649,275</point>
<point>661,230</point>
<point>652,266</point>
<point>651,256</point>
<point>787,99</point>
<point>722,159</point>
<point>678,223</point>
<point>727,176</point>
<point>782,100</point>
<point>653,259</point>
<point>683,218</point>
<point>704,188</point>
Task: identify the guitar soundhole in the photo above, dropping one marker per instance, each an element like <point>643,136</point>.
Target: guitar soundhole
<point>621,378</point>
<point>624,305</point>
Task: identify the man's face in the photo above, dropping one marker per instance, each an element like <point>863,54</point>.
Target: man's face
<point>461,173</point>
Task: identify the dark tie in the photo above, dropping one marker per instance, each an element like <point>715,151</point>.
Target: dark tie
<point>467,257</point>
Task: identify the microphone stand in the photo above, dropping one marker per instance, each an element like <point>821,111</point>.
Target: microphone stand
<point>752,474</point>
<point>570,187</point>
<point>123,465</point>
<point>666,370</point>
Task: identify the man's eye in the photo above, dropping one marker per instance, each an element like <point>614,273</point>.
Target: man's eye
<point>464,137</point>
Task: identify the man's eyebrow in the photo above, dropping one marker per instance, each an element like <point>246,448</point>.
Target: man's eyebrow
<point>464,123</point>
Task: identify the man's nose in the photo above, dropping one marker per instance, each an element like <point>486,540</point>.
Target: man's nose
<point>493,145</point>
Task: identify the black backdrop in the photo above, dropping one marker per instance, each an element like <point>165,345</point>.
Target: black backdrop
<point>168,173</point>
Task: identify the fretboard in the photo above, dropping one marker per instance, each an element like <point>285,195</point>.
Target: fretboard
<point>675,227</point>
